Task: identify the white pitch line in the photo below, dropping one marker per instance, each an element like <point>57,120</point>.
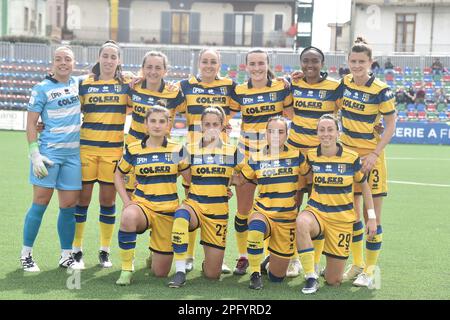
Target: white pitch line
<point>427,159</point>
<point>420,184</point>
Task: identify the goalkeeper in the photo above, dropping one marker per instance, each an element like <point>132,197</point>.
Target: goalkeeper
<point>55,156</point>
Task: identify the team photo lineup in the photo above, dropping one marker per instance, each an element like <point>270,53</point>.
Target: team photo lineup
<point>308,170</point>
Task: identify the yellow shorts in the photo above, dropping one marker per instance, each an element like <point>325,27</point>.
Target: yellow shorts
<point>213,228</point>
<point>161,225</point>
<point>98,168</point>
<point>282,236</point>
<point>338,235</point>
<point>377,178</point>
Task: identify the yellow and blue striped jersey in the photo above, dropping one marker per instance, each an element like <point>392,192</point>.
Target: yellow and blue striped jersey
<point>277,180</point>
<point>257,106</point>
<point>361,109</point>
<point>200,95</point>
<point>104,107</point>
<point>156,171</point>
<point>333,183</point>
<point>211,170</point>
<point>141,99</point>
<point>311,101</point>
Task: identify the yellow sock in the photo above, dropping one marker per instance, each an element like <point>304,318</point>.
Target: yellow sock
<point>79,231</point>
<point>80,219</point>
<point>107,220</point>
<point>373,248</point>
<point>266,247</point>
<point>307,260</point>
<point>180,234</point>
<point>318,244</point>
<point>357,245</point>
<point>191,246</point>
<point>127,245</point>
<point>255,245</point>
<point>241,227</point>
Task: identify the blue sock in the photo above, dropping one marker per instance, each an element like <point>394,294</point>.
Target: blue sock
<point>32,223</point>
<point>66,227</point>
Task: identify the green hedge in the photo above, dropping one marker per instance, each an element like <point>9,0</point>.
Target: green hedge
<point>26,39</point>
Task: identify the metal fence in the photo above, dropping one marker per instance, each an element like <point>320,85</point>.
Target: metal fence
<point>186,57</point>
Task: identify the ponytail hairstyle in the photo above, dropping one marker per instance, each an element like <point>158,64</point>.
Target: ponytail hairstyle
<point>217,110</point>
<point>118,73</point>
<point>270,73</point>
<point>361,45</point>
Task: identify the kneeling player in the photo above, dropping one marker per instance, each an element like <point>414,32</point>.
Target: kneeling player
<point>156,163</point>
<point>329,211</point>
<point>275,169</point>
<point>212,163</point>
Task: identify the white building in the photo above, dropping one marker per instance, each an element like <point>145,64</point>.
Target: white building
<point>195,22</point>
<point>404,26</point>
<point>23,18</point>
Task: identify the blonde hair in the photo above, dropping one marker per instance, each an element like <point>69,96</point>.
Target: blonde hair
<point>217,110</point>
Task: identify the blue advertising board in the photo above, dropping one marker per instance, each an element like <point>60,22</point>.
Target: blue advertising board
<point>422,133</point>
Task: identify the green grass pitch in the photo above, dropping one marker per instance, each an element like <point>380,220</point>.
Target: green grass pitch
<point>414,261</point>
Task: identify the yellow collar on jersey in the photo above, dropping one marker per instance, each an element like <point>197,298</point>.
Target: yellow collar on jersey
<point>219,145</point>
<point>144,142</point>
<point>250,84</point>
<point>323,77</point>
<point>197,79</point>
<point>338,154</point>
<point>368,83</point>
<point>161,87</point>
<point>265,149</point>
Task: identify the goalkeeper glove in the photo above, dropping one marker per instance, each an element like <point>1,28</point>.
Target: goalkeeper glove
<point>39,161</point>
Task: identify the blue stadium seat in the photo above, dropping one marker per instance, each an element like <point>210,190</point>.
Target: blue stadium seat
<point>420,107</point>
<point>411,107</point>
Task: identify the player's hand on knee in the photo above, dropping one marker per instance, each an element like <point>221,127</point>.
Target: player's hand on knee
<point>371,228</point>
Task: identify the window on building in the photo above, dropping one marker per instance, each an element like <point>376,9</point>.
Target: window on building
<point>338,32</point>
<point>26,18</point>
<point>405,32</point>
<point>58,16</point>
<point>278,22</point>
<point>243,29</point>
<point>180,27</point>
<point>40,23</point>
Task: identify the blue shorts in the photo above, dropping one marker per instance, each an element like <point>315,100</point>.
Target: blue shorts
<point>65,174</point>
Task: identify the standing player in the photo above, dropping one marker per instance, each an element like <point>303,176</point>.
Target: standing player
<point>365,99</point>
<point>330,210</point>
<point>314,95</point>
<point>153,90</point>
<point>55,156</point>
<point>103,97</point>
<point>156,163</point>
<point>212,163</point>
<point>275,168</point>
<point>200,92</point>
<point>259,99</point>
